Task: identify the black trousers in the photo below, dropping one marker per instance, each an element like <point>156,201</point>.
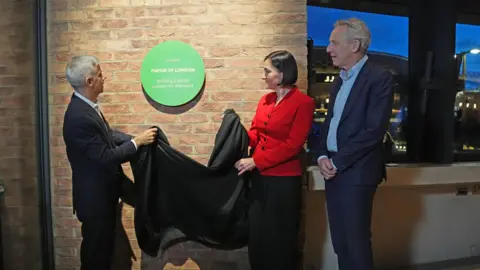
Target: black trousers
<point>274,222</point>
<point>98,241</point>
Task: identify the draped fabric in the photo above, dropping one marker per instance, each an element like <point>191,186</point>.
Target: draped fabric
<point>179,199</point>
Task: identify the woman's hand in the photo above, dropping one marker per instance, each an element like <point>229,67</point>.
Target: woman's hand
<point>245,164</point>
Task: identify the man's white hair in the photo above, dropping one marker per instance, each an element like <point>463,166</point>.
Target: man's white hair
<point>356,30</point>
<point>79,68</point>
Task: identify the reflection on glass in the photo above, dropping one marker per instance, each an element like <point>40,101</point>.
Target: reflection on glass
<point>389,48</point>
<point>467,101</point>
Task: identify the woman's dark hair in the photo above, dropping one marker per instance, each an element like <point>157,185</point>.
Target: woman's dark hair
<point>284,62</point>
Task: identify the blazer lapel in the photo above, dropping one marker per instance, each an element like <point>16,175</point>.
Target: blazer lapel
<point>109,134</point>
<point>356,90</point>
<point>91,111</point>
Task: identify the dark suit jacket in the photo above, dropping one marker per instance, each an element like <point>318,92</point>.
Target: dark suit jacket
<point>95,156</point>
<point>365,118</point>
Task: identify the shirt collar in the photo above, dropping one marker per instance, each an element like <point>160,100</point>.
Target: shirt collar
<point>89,102</point>
<point>346,75</point>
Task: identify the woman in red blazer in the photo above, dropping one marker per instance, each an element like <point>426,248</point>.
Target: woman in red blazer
<point>277,135</point>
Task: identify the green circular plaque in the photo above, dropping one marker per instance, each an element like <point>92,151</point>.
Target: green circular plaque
<point>172,73</point>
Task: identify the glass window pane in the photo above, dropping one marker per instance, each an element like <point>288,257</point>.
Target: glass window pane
<point>389,47</point>
<point>467,117</point>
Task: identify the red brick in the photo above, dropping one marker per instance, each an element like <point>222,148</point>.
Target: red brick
<point>142,108</point>
<point>114,3</point>
<point>82,25</point>
<point>209,128</point>
<point>129,119</point>
<point>253,95</point>
<point>145,22</point>
<point>279,18</point>
<point>244,62</point>
<point>210,107</point>
<point>176,129</point>
<point>135,66</point>
<point>156,119</point>
<point>113,109</point>
<point>203,150</point>
<point>185,149</point>
<point>106,13</point>
<point>124,56</point>
<point>66,252</point>
<point>224,52</point>
<point>66,232</point>
<point>128,76</point>
<point>194,139</point>
<point>118,23</point>
<point>227,96</point>
<point>130,12</point>
<point>66,222</point>
<point>160,32</point>
<point>66,56</point>
<point>193,118</point>
<point>67,242</point>
<point>234,8</point>
<point>145,2</point>
<point>190,9</point>
<point>99,35</point>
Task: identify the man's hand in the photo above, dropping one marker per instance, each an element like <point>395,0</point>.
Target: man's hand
<point>326,168</point>
<point>245,164</point>
<point>147,137</point>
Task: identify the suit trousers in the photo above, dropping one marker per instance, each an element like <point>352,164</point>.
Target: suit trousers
<point>98,242</point>
<point>274,222</point>
<point>349,210</point>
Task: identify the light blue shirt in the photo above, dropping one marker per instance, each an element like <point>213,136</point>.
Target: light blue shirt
<point>348,79</point>
<point>89,102</point>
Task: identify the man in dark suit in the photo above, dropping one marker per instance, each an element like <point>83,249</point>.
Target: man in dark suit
<point>352,156</point>
<point>95,153</point>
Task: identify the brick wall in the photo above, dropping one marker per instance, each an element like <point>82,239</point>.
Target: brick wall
<point>232,37</point>
<point>19,207</point>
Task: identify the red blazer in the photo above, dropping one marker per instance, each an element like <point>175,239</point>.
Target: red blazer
<point>278,133</point>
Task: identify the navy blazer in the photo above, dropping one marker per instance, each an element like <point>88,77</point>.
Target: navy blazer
<point>95,153</point>
<point>360,158</point>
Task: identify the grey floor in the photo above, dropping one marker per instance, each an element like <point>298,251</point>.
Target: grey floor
<point>474,267</point>
<point>468,264</point>
<point>472,263</point>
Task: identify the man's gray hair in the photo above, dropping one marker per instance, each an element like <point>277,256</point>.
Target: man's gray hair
<point>79,68</point>
<point>356,30</point>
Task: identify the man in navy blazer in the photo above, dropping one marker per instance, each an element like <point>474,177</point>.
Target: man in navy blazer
<point>351,150</point>
<point>96,153</point>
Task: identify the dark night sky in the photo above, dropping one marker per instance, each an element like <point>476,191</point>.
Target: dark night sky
<point>389,33</point>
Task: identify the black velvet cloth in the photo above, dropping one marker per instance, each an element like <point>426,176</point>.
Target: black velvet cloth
<point>179,199</point>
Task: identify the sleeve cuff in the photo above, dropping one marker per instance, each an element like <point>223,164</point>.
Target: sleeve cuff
<point>323,156</point>
<point>333,164</point>
<point>257,165</point>
<point>134,144</point>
